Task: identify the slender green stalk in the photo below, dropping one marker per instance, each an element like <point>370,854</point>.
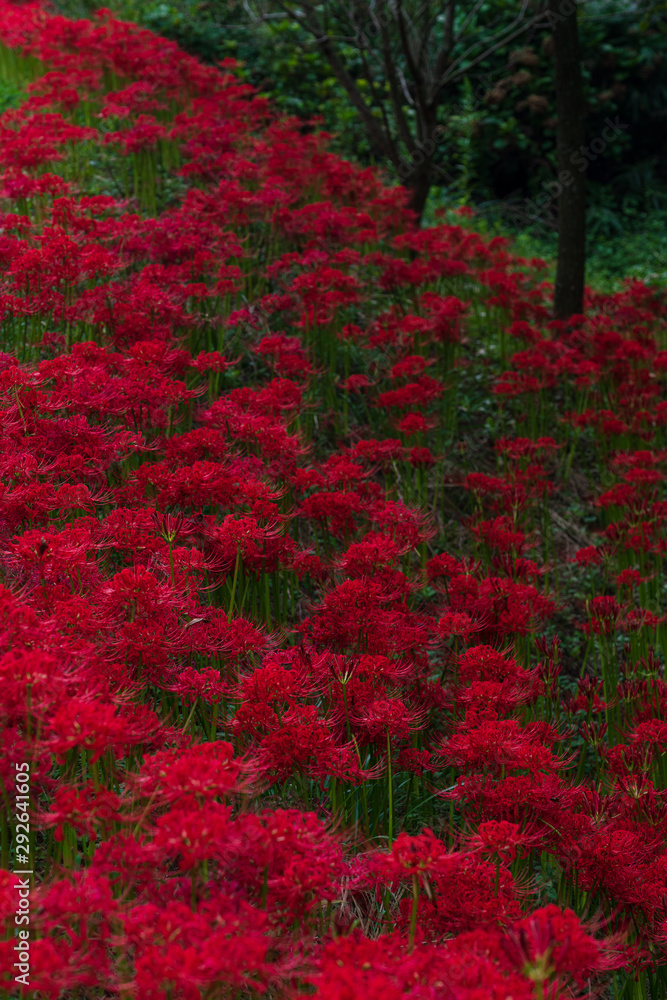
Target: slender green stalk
<point>390,790</point>
<point>236,575</point>
<point>413,914</point>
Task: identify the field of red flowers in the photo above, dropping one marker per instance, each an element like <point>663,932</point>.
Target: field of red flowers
<point>332,611</point>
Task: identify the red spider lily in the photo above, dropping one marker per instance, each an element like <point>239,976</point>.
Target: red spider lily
<point>381,667</point>
<point>173,478</point>
<point>444,565</point>
<point>498,534</point>
<point>415,761</point>
<point>304,743</point>
<point>588,697</point>
<point>458,625</point>
<point>374,550</point>
<point>502,838</point>
<point>605,616</point>
<point>223,941</point>
<point>483,663</point>
<point>509,607</point>
<point>89,725</point>
<point>485,741</point>
<point>338,509</point>
<point>33,682</point>
<point>387,719</point>
<point>190,834</point>
<point>203,772</point>
<point>422,458</point>
<point>553,943</point>
<point>302,856</point>
<point>259,549</point>
<point>594,733</point>
<point>83,808</point>
<point>283,677</point>
<point>423,854</point>
<point>169,525</point>
<point>503,697</point>
<point>589,556</point>
<point>421,391</point>
<point>630,578</point>
<point>358,615</point>
<point>384,968</point>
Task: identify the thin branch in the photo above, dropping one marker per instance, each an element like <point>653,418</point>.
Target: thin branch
<point>375,131</point>
<point>470,16</point>
<point>449,25</point>
<point>442,58</point>
<point>415,71</point>
<point>379,98</point>
<point>504,40</point>
<point>395,90</point>
<point>405,88</point>
<point>427,34</point>
<point>455,70</point>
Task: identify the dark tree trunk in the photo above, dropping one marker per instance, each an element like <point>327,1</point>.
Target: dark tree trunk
<point>419,186</point>
<point>569,293</point>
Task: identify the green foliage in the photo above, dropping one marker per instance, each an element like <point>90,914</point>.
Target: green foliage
<point>10,95</point>
<point>639,250</point>
<point>625,80</point>
<point>498,145</point>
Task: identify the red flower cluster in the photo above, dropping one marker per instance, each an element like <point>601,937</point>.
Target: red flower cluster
<point>277,630</point>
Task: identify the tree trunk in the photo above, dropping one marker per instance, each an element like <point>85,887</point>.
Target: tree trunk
<point>419,186</point>
<point>569,292</point>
